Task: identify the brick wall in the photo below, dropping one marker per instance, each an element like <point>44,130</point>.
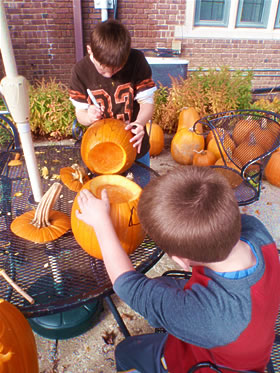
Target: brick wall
<point>43,39</point>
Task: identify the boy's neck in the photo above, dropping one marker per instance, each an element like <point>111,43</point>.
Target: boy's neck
<point>240,258</point>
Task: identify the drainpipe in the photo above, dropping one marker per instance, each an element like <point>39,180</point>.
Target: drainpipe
<point>78,30</point>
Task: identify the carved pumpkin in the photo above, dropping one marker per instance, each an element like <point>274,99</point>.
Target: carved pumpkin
<point>187,118</point>
<point>156,138</point>
<point>105,147</point>
<point>204,158</point>
<point>123,196</point>
<point>18,352</point>
<point>272,169</point>
<point>43,224</point>
<point>74,177</point>
<point>183,145</point>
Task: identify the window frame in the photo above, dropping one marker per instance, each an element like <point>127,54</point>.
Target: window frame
<point>265,15</point>
<point>213,23</point>
<point>277,19</point>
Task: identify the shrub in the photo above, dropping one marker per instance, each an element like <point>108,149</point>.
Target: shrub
<point>209,92</point>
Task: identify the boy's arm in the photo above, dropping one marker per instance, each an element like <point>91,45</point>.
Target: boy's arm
<point>88,116</point>
<point>96,212</point>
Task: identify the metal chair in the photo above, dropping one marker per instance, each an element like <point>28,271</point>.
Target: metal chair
<point>273,365</point>
<point>9,137</point>
<point>245,140</point>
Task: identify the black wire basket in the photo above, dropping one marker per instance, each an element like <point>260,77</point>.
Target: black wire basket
<point>245,140</point>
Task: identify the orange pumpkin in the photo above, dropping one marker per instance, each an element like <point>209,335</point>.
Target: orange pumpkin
<point>18,352</point>
<point>43,224</point>
<point>272,169</point>
<point>106,147</point>
<point>73,177</point>
<point>224,144</point>
<point>156,138</point>
<point>248,150</point>
<point>266,133</point>
<point>123,196</point>
<point>204,158</point>
<point>187,118</point>
<point>183,145</point>
<point>242,128</point>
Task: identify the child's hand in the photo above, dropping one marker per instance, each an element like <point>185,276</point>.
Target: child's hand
<point>94,113</point>
<point>138,130</point>
<point>94,211</point>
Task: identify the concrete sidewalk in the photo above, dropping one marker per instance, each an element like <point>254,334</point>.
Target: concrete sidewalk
<point>90,352</point>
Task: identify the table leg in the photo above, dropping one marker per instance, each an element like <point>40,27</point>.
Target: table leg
<point>117,316</point>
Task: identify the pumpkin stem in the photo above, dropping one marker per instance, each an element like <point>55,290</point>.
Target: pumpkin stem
<point>252,139</point>
<point>41,218</point>
<point>79,172</point>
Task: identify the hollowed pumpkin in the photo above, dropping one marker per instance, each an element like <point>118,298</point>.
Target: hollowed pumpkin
<point>43,224</point>
<point>106,147</point>
<point>18,352</point>
<point>123,196</point>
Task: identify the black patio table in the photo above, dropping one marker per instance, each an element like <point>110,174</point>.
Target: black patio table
<point>60,276</point>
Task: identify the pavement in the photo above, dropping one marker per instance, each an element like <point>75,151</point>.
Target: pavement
<point>93,352</point>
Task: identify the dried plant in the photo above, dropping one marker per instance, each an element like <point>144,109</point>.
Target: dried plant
<point>209,92</point>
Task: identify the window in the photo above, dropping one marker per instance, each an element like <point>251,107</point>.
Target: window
<point>231,19</point>
<point>253,13</point>
<point>277,21</point>
<point>211,13</point>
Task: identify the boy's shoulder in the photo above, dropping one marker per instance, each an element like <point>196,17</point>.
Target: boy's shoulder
<point>253,228</point>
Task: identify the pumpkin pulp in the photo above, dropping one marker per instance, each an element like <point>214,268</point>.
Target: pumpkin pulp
<point>107,158</point>
<point>116,193</point>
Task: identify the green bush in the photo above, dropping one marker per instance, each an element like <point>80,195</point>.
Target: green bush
<point>209,92</point>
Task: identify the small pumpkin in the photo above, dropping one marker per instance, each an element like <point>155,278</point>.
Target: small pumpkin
<point>242,128</point>
<point>187,118</point>
<point>74,177</point>
<point>183,145</point>
<point>203,158</point>
<point>272,169</point>
<point>223,144</point>
<point>106,147</point>
<point>123,195</point>
<point>156,138</point>
<point>18,351</point>
<point>43,224</point>
<point>248,150</point>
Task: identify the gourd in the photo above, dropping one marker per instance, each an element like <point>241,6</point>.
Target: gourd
<point>43,224</point>
<point>272,169</point>
<point>74,177</point>
<point>18,352</point>
<point>183,145</point>
<point>106,147</point>
<point>203,158</point>
<point>187,118</point>
<point>156,138</point>
<point>123,195</point>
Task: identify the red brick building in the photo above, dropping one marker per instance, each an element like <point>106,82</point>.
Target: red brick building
<point>48,36</point>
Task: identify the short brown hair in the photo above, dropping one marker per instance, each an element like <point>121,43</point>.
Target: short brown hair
<point>110,43</point>
<point>191,212</point>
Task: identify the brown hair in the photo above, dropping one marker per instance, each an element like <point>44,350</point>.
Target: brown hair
<point>110,43</point>
<point>191,212</point>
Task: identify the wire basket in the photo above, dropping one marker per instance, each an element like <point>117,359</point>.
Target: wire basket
<point>245,140</point>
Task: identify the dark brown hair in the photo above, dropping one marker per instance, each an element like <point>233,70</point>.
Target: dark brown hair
<point>191,212</point>
<point>110,43</point>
